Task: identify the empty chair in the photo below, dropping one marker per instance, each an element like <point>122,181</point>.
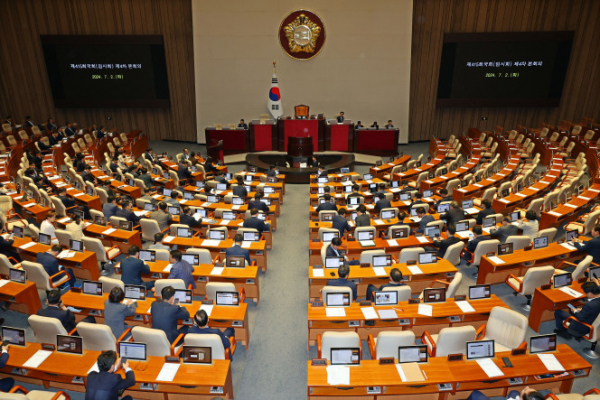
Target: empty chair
<point>404,291</point>
<point>45,329</point>
<point>366,257</point>
<point>452,184</point>
<point>507,328</point>
<point>96,337</point>
<point>204,256</point>
<point>213,287</point>
<point>452,253</point>
<point>451,286</point>
<point>162,283</point>
<point>387,342</point>
<point>109,284</point>
<point>162,255</point>
<point>550,232</point>
<point>149,229</point>
<point>484,247</point>
<point>103,254</point>
<point>213,341</point>
<point>33,394</point>
<point>157,343</point>
<point>449,341</point>
<point>580,268</point>
<point>335,339</point>
<point>526,285</point>
<point>585,227</point>
<point>410,254</point>
<point>519,242</point>
<point>43,282</point>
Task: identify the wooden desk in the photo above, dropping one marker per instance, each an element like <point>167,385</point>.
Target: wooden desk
<point>383,169</point>
<point>464,376</point>
<point>23,297</point>
<point>59,369</point>
<point>221,316</point>
<point>121,238</point>
<point>442,181</point>
<point>80,197</point>
<point>568,212</point>
<point>545,302</point>
<point>132,191</point>
<point>477,189</point>
<point>27,210</point>
<point>413,174</point>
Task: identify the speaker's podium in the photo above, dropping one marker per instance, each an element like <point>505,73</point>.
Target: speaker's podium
<point>299,149</point>
<point>215,151</point>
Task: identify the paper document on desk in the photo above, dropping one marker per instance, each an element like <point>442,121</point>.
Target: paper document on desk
<point>369,313</point>
<point>496,260</point>
<point>182,201</point>
<point>570,292</point>
<point>36,359</point>
<point>379,271</point>
<point>236,207</point>
<point>157,196</point>
<point>425,309</point>
<point>520,194</point>
<point>79,194</point>
<point>224,222</point>
<point>387,314</point>
<point>335,312</point>
<point>584,198</point>
<point>66,254</point>
<point>422,239</point>
<point>27,245</point>
<point>378,222</point>
<point>168,268</point>
<point>568,246</point>
<point>3,282</point>
<point>338,375</point>
<point>318,273</point>
<point>486,230</point>
<point>551,362</point>
<point>570,205</point>
<point>367,243</point>
<point>167,372</point>
<point>465,306</point>
<point>472,210</point>
<point>140,213</point>
<point>208,308</point>
<point>217,271</point>
<point>504,201</point>
<point>392,242</point>
<point>211,242</point>
<point>555,213</point>
<point>464,234</point>
<point>489,367</point>
<point>29,205</point>
<point>410,372</point>
<point>109,231</point>
<point>415,219</point>
<point>168,239</point>
<point>64,220</point>
<point>414,270</point>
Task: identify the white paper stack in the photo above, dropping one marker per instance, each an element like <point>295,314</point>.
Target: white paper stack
<point>425,309</point>
<point>369,313</point>
<point>168,268</point>
<point>388,314</point>
<point>551,362</point>
<point>423,239</point>
<point>208,308</point>
<point>335,312</point>
<point>27,245</point>
<point>318,273</point>
<point>392,242</point>
<point>167,372</point>
<point>568,246</point>
<point>168,239</point>
<point>338,375</point>
<point>414,270</point>
<point>496,260</point>
<point>37,359</point>
<point>465,306</point>
<point>379,271</point>
<point>489,367</point>
<point>217,271</point>
<point>210,243</point>
<point>570,292</point>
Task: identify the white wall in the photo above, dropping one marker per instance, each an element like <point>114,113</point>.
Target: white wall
<point>363,68</point>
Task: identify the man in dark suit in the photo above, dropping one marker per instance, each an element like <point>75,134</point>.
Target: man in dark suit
<point>107,384</point>
<point>442,245</point>
<point>272,171</point>
<point>181,269</point>
<point>146,178</point>
<point>586,314</point>
<point>50,126</point>
<point>6,248</point>
<point>591,247</point>
<point>454,214</point>
<point>69,130</point>
<point>50,264</point>
<point>507,229</point>
<point>219,177</point>
<point>5,383</point>
<point>29,122</point>
<point>166,314</point>
<point>185,155</point>
<point>256,203</point>
<point>340,222</point>
<point>183,172</point>
<point>425,219</point>
<point>382,203</point>
<point>340,118</point>
<point>239,189</point>
<point>389,124</point>
<point>237,249</point>
<point>186,217</point>
<point>254,221</point>
<point>201,327</point>
<point>161,216</point>
<point>149,155</point>
<point>343,272</point>
<point>87,175</point>
<point>242,124</point>
<point>110,208</point>
<point>486,212</point>
<point>56,309</point>
<point>359,125</point>
<point>53,139</point>
<point>444,197</point>
<point>132,269</point>
<point>362,216</point>
<point>395,280</point>
<point>113,166</point>
<point>333,251</point>
<point>327,205</point>
<point>125,212</point>
<point>472,244</point>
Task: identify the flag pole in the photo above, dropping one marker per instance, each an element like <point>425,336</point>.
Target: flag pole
<point>274,69</point>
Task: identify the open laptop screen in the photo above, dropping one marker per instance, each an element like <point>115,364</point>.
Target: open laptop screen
<point>91,287</point>
<point>17,275</point>
<point>14,336</point>
<point>480,349</point>
<point>399,233</point>
<point>184,232</point>
<point>542,343</point>
<point>337,299</point>
<point>364,235</point>
<point>196,355</point>
<point>328,236</point>
<point>434,295</point>
<point>45,239</point>
<point>184,296</point>
<point>135,292</point>
<point>462,226</point>
<point>333,262</point>
<point>227,299</point>
<point>69,344</point>
<point>192,259</point>
<point>505,248</point>
<point>432,231</point>
<point>385,298</point>
<point>345,356</point>
<point>561,280</point>
<point>489,222</point>
<point>388,214</point>
<point>216,235</point>
<point>382,260</point>
<point>76,245</point>
<point>540,242</point>
<point>427,258</point>
<point>235,261</point>
<point>411,354</point>
<point>570,235</point>
<point>477,292</point>
<point>133,350</point>
<point>147,255</point>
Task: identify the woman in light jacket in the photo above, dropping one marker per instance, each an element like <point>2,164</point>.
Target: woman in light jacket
<point>530,224</point>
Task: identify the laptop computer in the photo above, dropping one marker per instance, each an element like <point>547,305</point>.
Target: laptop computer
<point>216,235</point>
<point>92,288</point>
<point>135,292</point>
<point>184,232</point>
<point>149,207</point>
<point>540,242</point>
<point>328,236</point>
<point>126,226</point>
<point>477,292</point>
<point>505,249</point>
<point>480,349</point>
<point>434,295</point>
<point>382,260</point>
<point>398,233</point>
<point>14,336</point>
<point>489,222</point>
<point>334,262</point>
<point>76,245</point>
<point>69,344</point>
<point>235,261</point>
<point>385,298</point>
<point>17,275</point>
<point>432,231</point>
<point>345,356</point>
<point>412,354</point>
<point>227,299</point>
<point>45,239</point>
<point>133,351</point>
<point>388,214</point>
<point>542,343</point>
<point>173,210</point>
<point>560,280</point>
<point>183,296</point>
<point>427,258</point>
<point>196,355</point>
<point>337,299</point>
<point>192,259</point>
<point>147,255</point>
<point>251,236</point>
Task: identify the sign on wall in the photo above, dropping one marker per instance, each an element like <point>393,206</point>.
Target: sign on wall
<point>302,35</point>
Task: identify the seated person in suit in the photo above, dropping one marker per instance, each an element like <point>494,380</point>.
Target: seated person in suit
<point>327,205</point>
<point>425,219</point>
<point>181,269</point>
<point>442,245</point>
<point>201,327</point>
<point>333,251</point>
<point>186,218</point>
<point>507,229</point>
<point>146,178</point>
<point>443,193</point>
<point>359,125</point>
<point>472,244</point>
<point>272,171</point>
<point>395,280</point>
<point>50,264</point>
<point>256,203</point>
<point>530,224</point>
<point>374,125</point>
<point>382,203</point>
<point>56,309</point>
<point>591,247</point>
<point>486,212</point>
<point>125,212</point>
<point>67,201</point>
<point>149,155</point>
<point>107,384</point>
<point>584,315</point>
<point>172,200</point>
<point>5,383</point>
<point>87,175</point>
<point>354,193</point>
<point>343,272</point>
<point>50,126</point>
<point>340,222</point>
<point>185,155</point>
<point>255,222</point>
<point>237,250</point>
<point>113,166</point>
<point>6,248</point>
<point>313,162</point>
<point>166,314</point>
<point>340,118</point>
<point>239,189</point>
<point>454,214</point>
<point>183,172</point>
<point>242,124</point>
<point>389,124</point>
<point>362,216</point>
<point>116,310</point>
<point>380,189</point>
<point>219,177</point>
<point>53,139</point>
<point>525,394</point>
<point>161,216</point>
<point>208,165</point>
<point>132,269</point>
<point>158,237</point>
<point>110,208</point>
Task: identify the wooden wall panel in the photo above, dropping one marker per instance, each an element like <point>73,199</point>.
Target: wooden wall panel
<point>433,18</point>
<point>24,87</point>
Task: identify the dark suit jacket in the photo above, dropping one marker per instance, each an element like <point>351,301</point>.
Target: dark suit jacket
<point>363,220</point>
<point>165,317</point>
<point>486,212</point>
<point>66,317</point>
<point>183,270</point>
<point>49,262</point>
<point>106,385</point>
<point>6,245</point>
<point>188,220</point>
<point>343,282</point>
<point>147,179</point>
<point>113,166</point>
<point>423,223</point>
<point>131,269</point>
<point>254,222</point>
<point>454,216</point>
<point>109,209</point>
<point>381,204</point>
<point>340,119</point>
<point>70,132</point>
<point>447,198</point>
<point>443,245</point>
<point>87,176</point>
<point>238,251</point>
<point>592,247</point>
<point>258,204</point>
<point>588,314</point>
<point>183,172</point>
<point>504,232</point>
<point>341,224</point>
<point>271,172</point>
<point>327,206</point>
<point>239,191</point>
<point>243,126</point>
<point>128,215</point>
<point>207,330</point>
<point>80,166</point>
<point>472,244</point>
<point>52,140</point>
<point>149,157</point>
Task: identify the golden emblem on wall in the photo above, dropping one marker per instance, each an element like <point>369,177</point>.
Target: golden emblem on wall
<point>302,34</point>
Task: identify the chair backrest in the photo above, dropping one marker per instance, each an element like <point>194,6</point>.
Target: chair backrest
<point>5,265</point>
<point>365,229</point>
<point>109,284</point>
<point>45,329</point>
<point>488,194</point>
<point>536,277</point>
<point>484,247</point>
<point>213,287</point>
<point>333,289</point>
<point>96,337</point>
<point>519,242</point>
<point>37,274</point>
<point>157,343</point>
<point>162,283</point>
<point>204,255</point>
<point>59,207</point>
<point>334,339</point>
<point>63,237</point>
<point>453,253</point>
<point>589,223</point>
<point>507,327</point>
<point>211,340</point>
<point>582,267</point>
<point>149,228</point>
<point>536,205</point>
<point>453,184</point>
<point>410,254</point>
<point>102,194</point>
<point>550,232</point>
<point>324,230</point>
<point>367,256</point>
<point>453,287</point>
<point>95,245</point>
<point>453,340</point>
<point>389,341</point>
<point>404,291</point>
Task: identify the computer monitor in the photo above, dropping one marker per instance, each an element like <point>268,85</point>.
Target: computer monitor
<point>147,255</point>
<point>328,236</point>
<point>367,177</point>
<point>92,288</point>
<point>90,191</point>
<point>412,354</point>
<point>199,184</point>
<point>154,171</point>
<point>173,210</point>
<point>249,178</point>
<point>347,188</point>
<point>99,220</point>
<point>18,231</point>
<point>462,226</point>
<point>345,170</point>
<point>188,196</point>
<point>432,231</point>
<point>385,298</point>
<point>17,275</point>
<point>216,235</point>
<point>467,204</point>
<point>431,175</point>
<point>266,201</point>
<point>505,249</point>
<point>135,292</point>
<point>505,192</point>
<point>382,260</point>
<point>333,262</point>
<point>594,272</point>
<point>229,215</point>
<point>540,242</point>
<point>133,351</point>
<point>237,201</point>
<point>235,261</point>
<point>184,232</point>
<point>388,214</point>
<point>167,192</point>
<point>183,296</point>
<point>443,171</point>
<point>126,225</point>
<point>443,207</point>
<point>477,292</point>
<point>201,211</point>
<point>262,216</point>
<point>427,258</point>
<point>542,343</point>
<point>69,344</point>
<point>489,222</point>
<point>322,179</point>
<point>327,216</point>
<point>404,196</point>
<point>478,178</point>
<point>76,245</point>
<point>337,299</point>
<point>221,186</point>
<point>149,207</point>
<point>364,235</point>
<point>514,216</point>
<point>196,355</point>
<point>399,233</point>
<point>427,193</point>
<point>395,184</point>
<point>480,349</point>
<point>252,169</point>
<point>227,299</point>
<point>14,336</point>
<point>192,259</point>
<point>251,236</point>
<point>434,295</point>
<point>560,280</point>
<point>345,356</point>
<point>45,239</point>
<point>211,198</point>
<point>570,235</point>
<point>354,200</point>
